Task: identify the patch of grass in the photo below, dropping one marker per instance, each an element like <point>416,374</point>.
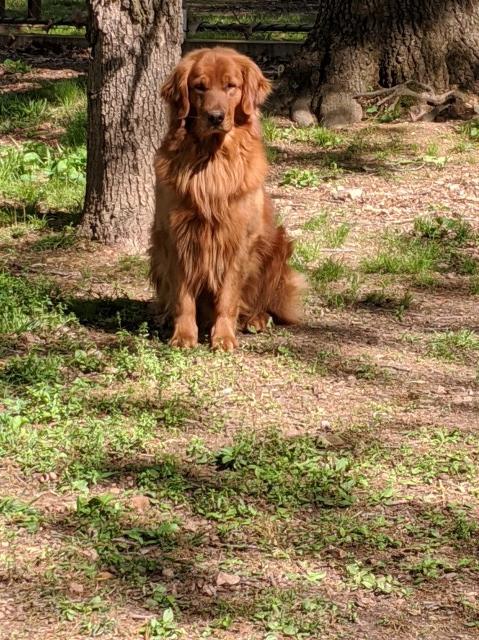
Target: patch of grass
<point>454,345</point>
<point>271,131</point>
<point>345,294</point>
<point>305,253</point>
<point>336,236</point>
<point>272,154</point>
<point>135,265</point>
<point>382,299</point>
<point>288,472</point>
<point>292,613</point>
<point>61,104</point>
<point>318,136</point>
<point>470,130</point>
<point>165,627</point>
<point>329,270</point>
<point>474,285</point>
<point>444,229</point>
<point>360,576</point>
<point>27,305</point>
<point>433,464</point>
<point>20,514</point>
<point>16,66</point>
<point>34,174</point>
<point>31,369</point>
<point>54,241</point>
<point>429,568</point>
<point>75,129</point>
<point>301,178</point>
<point>317,223</point>
<point>21,111</point>
<point>432,247</point>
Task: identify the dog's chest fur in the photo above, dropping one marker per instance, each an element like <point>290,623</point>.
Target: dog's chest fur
<point>219,202</point>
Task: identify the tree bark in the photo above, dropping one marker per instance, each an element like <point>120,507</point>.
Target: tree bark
<point>359,44</point>
<point>135,44</point>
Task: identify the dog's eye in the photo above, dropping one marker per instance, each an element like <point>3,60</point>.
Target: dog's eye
<point>201,88</point>
<point>230,85</point>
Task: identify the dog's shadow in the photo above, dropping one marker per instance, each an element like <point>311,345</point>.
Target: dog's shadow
<point>135,316</point>
<point>114,314</point>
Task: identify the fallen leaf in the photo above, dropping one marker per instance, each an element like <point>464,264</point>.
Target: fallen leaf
<point>140,504</point>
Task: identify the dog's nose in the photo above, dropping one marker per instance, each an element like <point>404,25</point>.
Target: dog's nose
<point>216,118</point>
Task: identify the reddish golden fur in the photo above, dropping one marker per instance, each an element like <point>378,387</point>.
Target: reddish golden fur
<point>215,244</point>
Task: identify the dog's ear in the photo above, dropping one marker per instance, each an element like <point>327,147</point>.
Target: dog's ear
<point>175,89</point>
<point>256,88</point>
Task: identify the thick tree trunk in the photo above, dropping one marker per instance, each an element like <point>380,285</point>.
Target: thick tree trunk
<point>135,44</point>
<point>359,44</point>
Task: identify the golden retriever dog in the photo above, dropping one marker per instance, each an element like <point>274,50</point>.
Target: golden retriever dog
<point>215,247</point>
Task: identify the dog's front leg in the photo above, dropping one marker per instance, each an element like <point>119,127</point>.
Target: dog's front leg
<point>226,313</point>
<point>186,329</point>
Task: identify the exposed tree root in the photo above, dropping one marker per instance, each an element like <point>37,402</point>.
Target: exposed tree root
<point>427,105</point>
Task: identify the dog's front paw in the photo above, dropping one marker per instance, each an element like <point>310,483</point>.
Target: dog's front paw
<point>224,342</point>
<point>184,341</point>
<point>184,337</point>
<point>223,336</point>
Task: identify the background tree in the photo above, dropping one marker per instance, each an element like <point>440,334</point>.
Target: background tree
<point>135,43</point>
<point>359,44</point>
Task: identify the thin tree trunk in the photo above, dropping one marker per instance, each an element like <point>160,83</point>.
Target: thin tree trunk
<point>359,44</point>
<point>135,44</point>
<point>35,9</point>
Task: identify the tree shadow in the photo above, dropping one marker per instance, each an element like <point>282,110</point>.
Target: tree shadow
<point>389,537</point>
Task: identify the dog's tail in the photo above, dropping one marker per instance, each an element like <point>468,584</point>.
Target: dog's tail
<point>288,287</point>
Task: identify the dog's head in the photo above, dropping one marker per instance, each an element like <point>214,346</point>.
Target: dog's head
<point>214,89</point>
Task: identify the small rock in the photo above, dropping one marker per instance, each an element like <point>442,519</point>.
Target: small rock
<point>325,424</point>
<point>168,572</point>
<point>354,193</point>
<point>227,579</point>
<point>76,588</point>
<point>91,554</point>
<point>209,590</point>
<point>140,504</point>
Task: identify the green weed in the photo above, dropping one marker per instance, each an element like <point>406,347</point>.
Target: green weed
<point>301,178</point>
<point>35,174</point>
<point>329,270</point>
<point>288,472</point>
<point>444,229</point>
<point>359,576</point>
<point>31,369</point>
<point>432,247</point>
<point>292,614</point>
<point>471,130</point>
<point>16,66</point>
<point>20,514</point>
<point>54,241</point>
<point>21,112</point>
<point>453,345</point>
<point>27,305</point>
<point>165,627</point>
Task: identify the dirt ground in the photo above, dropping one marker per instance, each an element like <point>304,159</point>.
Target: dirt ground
<point>320,482</point>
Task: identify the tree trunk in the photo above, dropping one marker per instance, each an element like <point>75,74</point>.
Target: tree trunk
<point>135,44</point>
<point>359,44</point>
